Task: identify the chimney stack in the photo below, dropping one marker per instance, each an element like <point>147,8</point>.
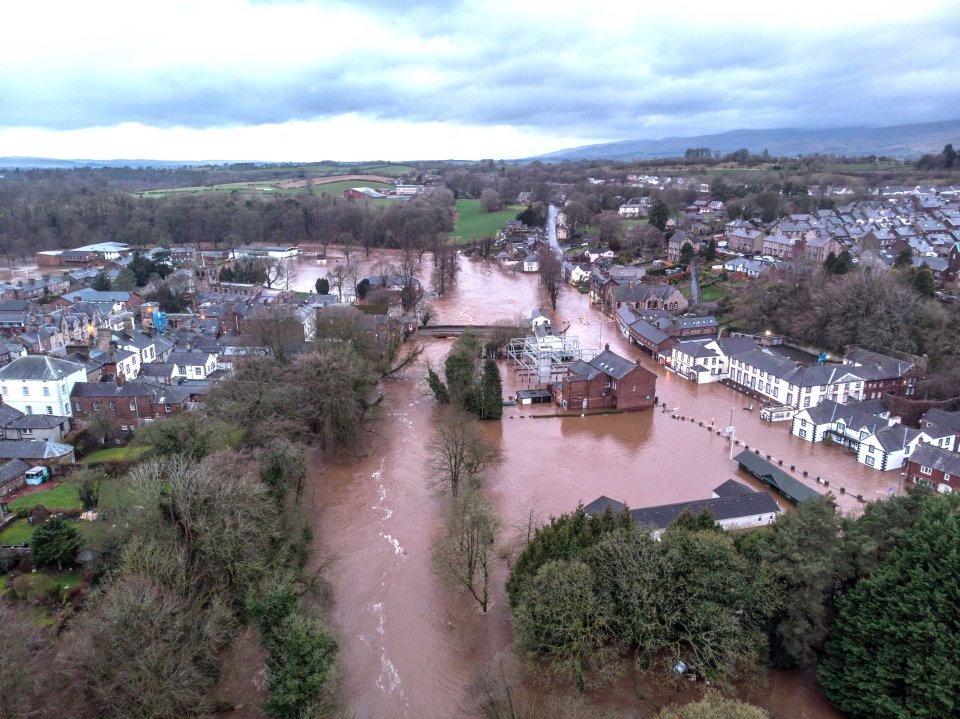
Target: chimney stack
<point>104,337</point>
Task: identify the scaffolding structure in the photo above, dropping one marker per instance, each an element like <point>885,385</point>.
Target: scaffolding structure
<point>543,358</point>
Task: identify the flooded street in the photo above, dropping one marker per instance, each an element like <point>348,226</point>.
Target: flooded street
<point>410,646</point>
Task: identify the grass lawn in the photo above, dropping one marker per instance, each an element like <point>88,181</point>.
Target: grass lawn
<point>115,454</point>
<point>712,293</point>
<point>20,532</point>
<point>63,496</point>
<point>473,223</point>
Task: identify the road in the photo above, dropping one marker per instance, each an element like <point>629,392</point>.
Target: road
<point>552,230</point>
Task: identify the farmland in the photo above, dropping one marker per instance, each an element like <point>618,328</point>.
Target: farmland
<point>333,185</point>
<point>473,223</point>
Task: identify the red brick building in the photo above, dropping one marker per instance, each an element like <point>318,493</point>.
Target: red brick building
<point>129,406</point>
<point>608,381</point>
<point>934,467</point>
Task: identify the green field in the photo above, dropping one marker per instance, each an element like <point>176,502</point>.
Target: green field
<point>19,532</point>
<point>115,454</point>
<point>63,496</point>
<point>266,188</point>
<point>473,223</point>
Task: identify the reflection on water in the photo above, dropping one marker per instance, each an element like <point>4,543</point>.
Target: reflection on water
<point>410,646</point>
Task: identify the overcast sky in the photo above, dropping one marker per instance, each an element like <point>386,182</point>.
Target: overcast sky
<point>376,79</point>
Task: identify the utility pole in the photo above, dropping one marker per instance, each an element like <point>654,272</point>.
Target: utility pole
<point>731,432</point>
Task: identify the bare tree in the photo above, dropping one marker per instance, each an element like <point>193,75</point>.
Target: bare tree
<point>339,277</point>
<point>347,246</point>
<point>458,452</point>
<point>551,275</point>
<point>489,200</point>
<point>382,270</point>
<point>463,552</point>
<point>277,271</point>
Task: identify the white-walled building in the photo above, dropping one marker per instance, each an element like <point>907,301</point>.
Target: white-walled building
<point>704,361</point>
<point>783,382</point>
<point>193,365</point>
<point>38,384</point>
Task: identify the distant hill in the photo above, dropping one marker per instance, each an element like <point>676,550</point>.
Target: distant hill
<point>901,141</point>
<point>50,163</point>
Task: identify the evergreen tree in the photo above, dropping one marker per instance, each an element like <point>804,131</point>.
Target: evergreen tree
<point>437,386</point>
<point>490,392</point>
<point>323,286</point>
<point>659,214</point>
<point>101,282</point>
<point>892,652</point>
<point>803,555</point>
<point>904,260</point>
<point>710,253</point>
<point>924,283</point>
<point>55,542</point>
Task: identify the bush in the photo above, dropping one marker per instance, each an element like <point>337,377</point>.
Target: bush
<point>35,587</point>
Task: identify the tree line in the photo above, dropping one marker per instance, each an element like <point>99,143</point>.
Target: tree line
<point>868,600</point>
<point>208,536</point>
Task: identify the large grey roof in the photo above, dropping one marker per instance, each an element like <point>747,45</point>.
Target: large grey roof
<point>37,421</point>
<point>896,437</point>
<point>9,471</point>
<point>937,416</point>
<point>32,449</point>
<point>929,455</point>
<point>791,488</point>
<point>733,506</point>
<point>612,364</point>
<point>39,367</point>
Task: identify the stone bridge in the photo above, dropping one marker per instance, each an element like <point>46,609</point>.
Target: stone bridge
<point>457,330</point>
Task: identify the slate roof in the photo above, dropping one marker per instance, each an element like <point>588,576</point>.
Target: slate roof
<point>99,296</point>
<point>613,364</point>
<point>39,367</point>
<point>829,412</point>
<point>793,489</point>
<point>10,471</point>
<point>583,370</point>
<point>929,455</point>
<point>695,348</point>
<point>732,488</point>
<point>939,417</point>
<point>733,346</point>
<point>895,438</point>
<point>8,414</point>
<point>696,322</point>
<point>37,421</point>
<point>732,506</point>
<point>32,449</point>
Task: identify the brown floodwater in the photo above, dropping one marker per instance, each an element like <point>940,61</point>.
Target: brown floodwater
<point>411,646</point>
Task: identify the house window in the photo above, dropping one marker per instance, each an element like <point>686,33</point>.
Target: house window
<point>76,405</point>
<point>29,409</point>
<point>113,406</point>
<point>46,391</point>
<point>49,409</point>
<point>26,391</point>
<point>870,450</point>
<point>181,369</point>
<point>926,470</point>
<point>869,461</point>
<point>923,482</point>
<point>124,428</point>
<point>166,408</point>
<point>133,405</point>
<point>96,406</point>
<point>803,434</point>
<point>26,432</point>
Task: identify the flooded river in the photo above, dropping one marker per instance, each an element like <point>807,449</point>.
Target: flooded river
<point>409,646</point>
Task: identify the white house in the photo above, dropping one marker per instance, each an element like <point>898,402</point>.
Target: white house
<point>877,440</point>
<point>193,365</point>
<point>783,382</point>
<point>704,361</point>
<point>38,384</point>
<point>531,263</point>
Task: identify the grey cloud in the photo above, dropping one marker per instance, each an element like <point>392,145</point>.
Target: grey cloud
<point>555,76</point>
